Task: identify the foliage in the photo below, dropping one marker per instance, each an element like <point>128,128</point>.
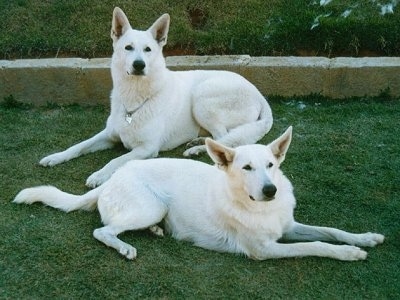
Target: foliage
<point>32,29</point>
<point>10,102</point>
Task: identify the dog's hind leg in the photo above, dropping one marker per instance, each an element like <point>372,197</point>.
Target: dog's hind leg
<point>196,142</point>
<point>108,236</point>
<point>157,230</point>
<point>196,146</point>
<point>230,109</point>
<point>128,207</point>
<point>302,232</point>
<point>242,134</point>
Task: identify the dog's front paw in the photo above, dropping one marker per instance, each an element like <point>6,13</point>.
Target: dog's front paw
<point>52,160</point>
<point>351,253</point>
<point>128,251</point>
<point>97,178</point>
<point>195,150</point>
<point>370,239</point>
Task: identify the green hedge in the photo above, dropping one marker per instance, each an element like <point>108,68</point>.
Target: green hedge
<point>256,27</point>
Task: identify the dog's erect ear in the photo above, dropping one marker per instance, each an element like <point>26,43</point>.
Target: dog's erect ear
<point>120,24</point>
<point>160,28</point>
<point>280,146</point>
<point>220,154</point>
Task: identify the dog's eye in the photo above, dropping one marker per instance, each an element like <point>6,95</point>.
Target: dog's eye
<point>147,49</point>
<point>270,165</point>
<point>128,47</point>
<point>247,168</point>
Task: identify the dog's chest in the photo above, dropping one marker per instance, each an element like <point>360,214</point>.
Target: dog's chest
<point>131,123</point>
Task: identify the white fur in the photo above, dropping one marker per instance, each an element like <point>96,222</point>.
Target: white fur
<point>230,207</point>
<point>171,108</point>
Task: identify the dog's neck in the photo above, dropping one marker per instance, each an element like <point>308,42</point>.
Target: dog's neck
<point>129,113</point>
<point>142,86</point>
<point>134,91</point>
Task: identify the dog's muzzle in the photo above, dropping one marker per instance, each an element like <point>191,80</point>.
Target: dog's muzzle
<point>138,67</point>
<point>269,191</point>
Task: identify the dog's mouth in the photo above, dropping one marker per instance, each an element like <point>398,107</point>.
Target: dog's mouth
<point>264,198</point>
<point>138,73</point>
<point>135,73</point>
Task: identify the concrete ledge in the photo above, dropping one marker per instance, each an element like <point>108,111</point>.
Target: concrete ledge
<point>88,81</point>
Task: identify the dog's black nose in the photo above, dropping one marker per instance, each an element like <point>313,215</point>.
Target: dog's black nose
<point>269,190</point>
<point>139,65</point>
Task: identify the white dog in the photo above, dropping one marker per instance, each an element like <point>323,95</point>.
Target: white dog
<point>243,204</point>
<point>154,109</point>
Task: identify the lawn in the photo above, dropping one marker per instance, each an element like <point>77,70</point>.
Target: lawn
<point>344,159</point>
<point>344,163</point>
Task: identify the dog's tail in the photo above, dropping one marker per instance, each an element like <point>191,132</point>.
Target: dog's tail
<point>250,133</point>
<point>56,198</point>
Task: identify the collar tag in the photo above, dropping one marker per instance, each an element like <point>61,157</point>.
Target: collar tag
<point>129,114</point>
<point>128,118</point>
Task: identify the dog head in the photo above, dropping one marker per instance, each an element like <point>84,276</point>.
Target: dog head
<point>135,51</point>
<point>252,169</point>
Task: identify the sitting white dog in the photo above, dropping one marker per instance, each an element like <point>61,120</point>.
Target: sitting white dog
<point>154,109</point>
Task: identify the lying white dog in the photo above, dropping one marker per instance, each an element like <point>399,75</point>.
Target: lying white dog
<point>243,204</point>
<point>154,109</point>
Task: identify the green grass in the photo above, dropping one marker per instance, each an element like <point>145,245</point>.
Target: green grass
<point>256,27</point>
<point>344,163</point>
